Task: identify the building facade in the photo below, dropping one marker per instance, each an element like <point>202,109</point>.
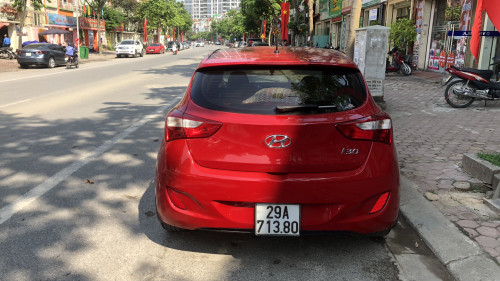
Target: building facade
<point>443,29</point>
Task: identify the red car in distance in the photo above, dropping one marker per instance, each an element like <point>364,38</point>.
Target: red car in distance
<point>155,48</point>
<point>278,144</point>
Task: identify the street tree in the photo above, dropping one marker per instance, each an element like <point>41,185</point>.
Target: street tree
<point>129,8</point>
<point>20,6</point>
<point>157,13</point>
<point>255,11</point>
<point>232,25</point>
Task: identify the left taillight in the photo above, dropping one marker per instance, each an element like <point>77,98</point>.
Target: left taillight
<point>377,127</point>
<point>185,126</point>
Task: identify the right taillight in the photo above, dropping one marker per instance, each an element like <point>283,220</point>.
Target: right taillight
<point>374,128</point>
<point>179,126</point>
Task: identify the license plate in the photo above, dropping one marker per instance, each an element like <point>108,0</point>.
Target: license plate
<point>277,219</point>
<point>28,54</point>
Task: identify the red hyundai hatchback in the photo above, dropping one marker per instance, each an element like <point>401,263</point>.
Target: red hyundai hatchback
<point>278,144</point>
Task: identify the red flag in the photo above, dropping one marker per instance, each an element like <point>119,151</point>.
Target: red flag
<point>476,28</point>
<point>145,30</point>
<point>285,16</point>
<point>493,10</point>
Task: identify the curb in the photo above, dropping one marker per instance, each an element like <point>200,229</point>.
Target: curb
<point>463,258</point>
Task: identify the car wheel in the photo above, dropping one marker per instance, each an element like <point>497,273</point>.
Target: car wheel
<point>52,63</point>
<point>142,53</point>
<point>24,65</point>
<point>118,56</point>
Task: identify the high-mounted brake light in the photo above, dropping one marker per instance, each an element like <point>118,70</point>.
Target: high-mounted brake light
<point>375,128</point>
<point>178,126</point>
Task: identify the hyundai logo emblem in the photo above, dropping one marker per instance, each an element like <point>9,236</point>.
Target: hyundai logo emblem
<point>278,141</point>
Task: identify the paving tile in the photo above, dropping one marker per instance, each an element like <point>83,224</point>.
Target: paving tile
<point>492,252</point>
<point>467,216</point>
<point>468,224</point>
<point>487,242</point>
<point>488,231</point>
<point>472,233</point>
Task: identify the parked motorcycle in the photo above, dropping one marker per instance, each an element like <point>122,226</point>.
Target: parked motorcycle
<point>398,62</point>
<point>7,53</point>
<point>467,85</point>
<point>72,61</point>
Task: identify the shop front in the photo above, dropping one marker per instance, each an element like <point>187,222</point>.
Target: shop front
<point>450,35</point>
<point>64,22</point>
<point>89,30</point>
<point>372,13</point>
<point>336,23</point>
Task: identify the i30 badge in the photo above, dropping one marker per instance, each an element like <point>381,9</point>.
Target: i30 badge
<point>278,141</point>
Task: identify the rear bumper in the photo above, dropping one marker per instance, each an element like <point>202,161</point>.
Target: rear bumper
<point>221,199</point>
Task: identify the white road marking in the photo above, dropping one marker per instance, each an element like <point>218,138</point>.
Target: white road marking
<point>8,211</point>
<point>13,103</point>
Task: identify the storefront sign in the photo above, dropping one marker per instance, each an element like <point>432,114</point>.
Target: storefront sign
<point>91,24</point>
<point>61,20</point>
<point>458,33</point>
<point>373,14</point>
<point>335,8</point>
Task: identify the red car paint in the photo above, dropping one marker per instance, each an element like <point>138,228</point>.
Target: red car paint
<point>344,176</point>
<point>155,48</point>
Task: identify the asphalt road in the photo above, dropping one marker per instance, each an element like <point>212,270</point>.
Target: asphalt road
<point>77,160</point>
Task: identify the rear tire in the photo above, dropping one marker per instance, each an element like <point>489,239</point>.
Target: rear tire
<point>405,69</point>
<point>24,65</point>
<point>168,227</point>
<point>171,228</point>
<point>454,100</point>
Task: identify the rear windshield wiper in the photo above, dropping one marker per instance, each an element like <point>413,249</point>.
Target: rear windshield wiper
<point>301,107</point>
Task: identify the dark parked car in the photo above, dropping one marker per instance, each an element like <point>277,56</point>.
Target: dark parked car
<point>46,54</point>
<point>278,144</point>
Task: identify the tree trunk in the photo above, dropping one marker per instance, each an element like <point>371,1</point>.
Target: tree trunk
<point>270,32</point>
<point>310,4</point>
<point>158,33</point>
<point>355,16</point>
<point>21,26</point>
<point>99,32</point>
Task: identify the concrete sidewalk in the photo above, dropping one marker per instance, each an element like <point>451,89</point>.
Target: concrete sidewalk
<point>441,202</point>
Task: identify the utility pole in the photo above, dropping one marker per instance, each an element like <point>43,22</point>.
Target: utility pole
<point>355,16</point>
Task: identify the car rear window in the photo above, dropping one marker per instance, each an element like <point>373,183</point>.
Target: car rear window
<point>279,91</point>
<point>35,46</point>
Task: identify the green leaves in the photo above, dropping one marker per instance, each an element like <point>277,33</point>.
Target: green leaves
<point>403,32</point>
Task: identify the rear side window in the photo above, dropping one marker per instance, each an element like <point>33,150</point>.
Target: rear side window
<point>279,91</point>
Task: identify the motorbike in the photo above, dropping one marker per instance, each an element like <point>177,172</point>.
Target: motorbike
<point>7,53</point>
<point>398,62</point>
<point>465,85</point>
<point>72,61</point>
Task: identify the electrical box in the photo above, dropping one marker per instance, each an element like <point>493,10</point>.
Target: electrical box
<point>370,53</point>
